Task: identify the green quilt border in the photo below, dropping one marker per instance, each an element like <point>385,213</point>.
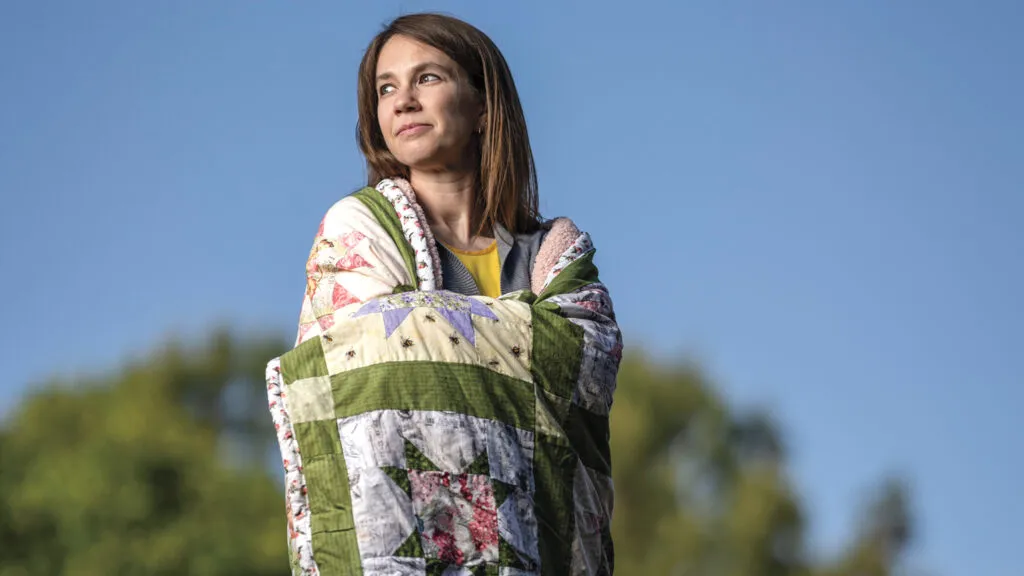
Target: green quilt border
<point>304,361</point>
<point>557,350</point>
<point>336,552</point>
<point>463,388</point>
<point>554,468</point>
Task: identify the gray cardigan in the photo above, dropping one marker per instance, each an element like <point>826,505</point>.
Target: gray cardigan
<point>517,254</point>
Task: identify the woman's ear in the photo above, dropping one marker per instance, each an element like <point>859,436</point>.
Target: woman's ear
<point>481,120</point>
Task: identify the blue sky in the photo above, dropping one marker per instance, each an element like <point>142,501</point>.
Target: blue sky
<point>820,201</point>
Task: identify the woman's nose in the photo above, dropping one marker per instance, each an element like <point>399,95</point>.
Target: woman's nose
<point>405,101</point>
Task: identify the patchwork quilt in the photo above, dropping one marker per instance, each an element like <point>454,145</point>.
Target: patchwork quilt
<point>428,432</point>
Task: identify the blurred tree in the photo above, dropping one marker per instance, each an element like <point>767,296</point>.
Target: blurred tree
<point>160,469</point>
<point>126,475</point>
<point>704,491</point>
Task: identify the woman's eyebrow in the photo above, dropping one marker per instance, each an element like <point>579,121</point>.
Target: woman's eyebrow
<point>414,70</point>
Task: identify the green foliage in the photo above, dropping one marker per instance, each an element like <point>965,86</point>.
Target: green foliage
<point>160,469</point>
<point>124,475</point>
<point>701,490</point>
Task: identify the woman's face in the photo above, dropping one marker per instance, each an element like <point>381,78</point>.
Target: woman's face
<point>427,111</point>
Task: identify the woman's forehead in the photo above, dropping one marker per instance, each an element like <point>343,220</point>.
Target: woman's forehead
<point>401,52</point>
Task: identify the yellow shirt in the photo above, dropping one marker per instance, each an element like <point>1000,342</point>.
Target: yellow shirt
<point>484,266</point>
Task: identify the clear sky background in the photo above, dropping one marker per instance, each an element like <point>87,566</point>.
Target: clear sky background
<point>822,201</point>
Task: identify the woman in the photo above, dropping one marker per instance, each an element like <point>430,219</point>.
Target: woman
<point>445,408</point>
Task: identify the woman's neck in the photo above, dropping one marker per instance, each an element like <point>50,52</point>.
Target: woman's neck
<point>449,201</point>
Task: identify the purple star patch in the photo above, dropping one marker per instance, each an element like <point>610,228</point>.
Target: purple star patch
<point>456,308</point>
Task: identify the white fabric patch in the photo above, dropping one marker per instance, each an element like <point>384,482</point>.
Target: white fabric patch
<point>599,368</point>
<point>503,571</point>
<point>518,525</point>
<point>384,517</point>
<point>593,493</point>
<point>394,566</point>
<point>602,347</point>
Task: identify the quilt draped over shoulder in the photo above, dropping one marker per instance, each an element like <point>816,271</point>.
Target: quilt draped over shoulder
<point>427,432</point>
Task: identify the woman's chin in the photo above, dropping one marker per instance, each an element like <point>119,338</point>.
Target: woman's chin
<point>427,164</point>
<point>418,159</point>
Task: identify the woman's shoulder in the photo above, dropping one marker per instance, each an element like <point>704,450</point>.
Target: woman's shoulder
<point>351,212</point>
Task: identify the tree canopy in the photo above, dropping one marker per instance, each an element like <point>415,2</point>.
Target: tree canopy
<point>703,490</point>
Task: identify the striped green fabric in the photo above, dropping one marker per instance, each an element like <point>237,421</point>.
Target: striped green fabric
<point>471,390</point>
<point>304,361</point>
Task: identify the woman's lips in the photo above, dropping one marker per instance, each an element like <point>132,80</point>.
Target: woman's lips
<point>413,129</point>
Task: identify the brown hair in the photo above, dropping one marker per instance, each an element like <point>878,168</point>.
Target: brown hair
<point>506,176</point>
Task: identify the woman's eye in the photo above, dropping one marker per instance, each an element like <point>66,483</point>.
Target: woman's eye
<point>386,89</point>
<point>429,77</point>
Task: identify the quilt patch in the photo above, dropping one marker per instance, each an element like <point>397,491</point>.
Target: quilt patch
<point>455,308</point>
<point>350,261</point>
<point>432,326</point>
<point>449,488</point>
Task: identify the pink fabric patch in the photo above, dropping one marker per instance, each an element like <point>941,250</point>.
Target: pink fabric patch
<point>457,514</point>
<point>351,261</point>
<point>561,236</point>
<point>325,321</point>
<point>341,297</point>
